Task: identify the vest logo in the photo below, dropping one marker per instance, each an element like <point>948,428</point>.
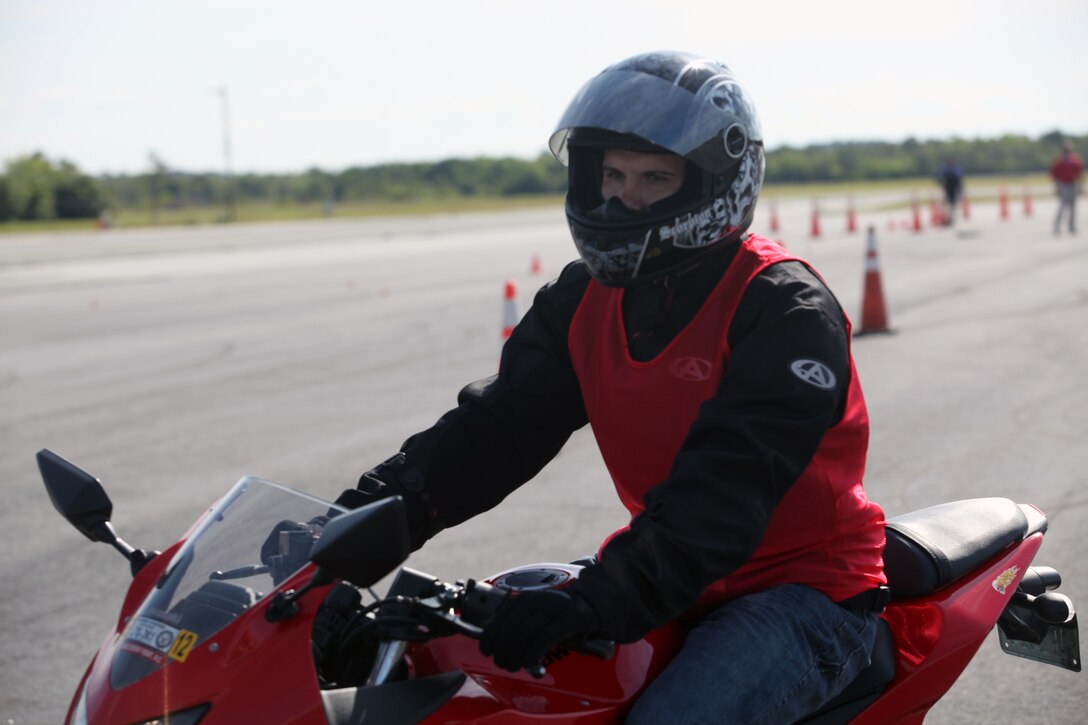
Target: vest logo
<point>814,373</point>
<point>693,369</point>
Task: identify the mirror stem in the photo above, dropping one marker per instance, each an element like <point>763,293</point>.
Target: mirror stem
<point>137,558</point>
<point>285,604</point>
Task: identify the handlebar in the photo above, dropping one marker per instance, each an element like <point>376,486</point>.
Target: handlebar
<point>475,603</point>
<point>480,601</point>
<point>597,647</point>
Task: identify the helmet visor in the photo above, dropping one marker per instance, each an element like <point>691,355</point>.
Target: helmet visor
<point>662,113</point>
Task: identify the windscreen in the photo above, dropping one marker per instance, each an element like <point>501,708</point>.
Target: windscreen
<point>254,539</point>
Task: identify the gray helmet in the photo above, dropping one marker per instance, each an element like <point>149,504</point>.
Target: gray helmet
<point>661,102</point>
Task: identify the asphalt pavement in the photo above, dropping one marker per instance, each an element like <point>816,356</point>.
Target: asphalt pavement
<point>172,362</point>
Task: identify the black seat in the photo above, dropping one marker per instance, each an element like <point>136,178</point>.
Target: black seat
<point>932,547</point>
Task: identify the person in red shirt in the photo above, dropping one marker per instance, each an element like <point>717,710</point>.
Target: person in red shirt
<point>1066,172</point>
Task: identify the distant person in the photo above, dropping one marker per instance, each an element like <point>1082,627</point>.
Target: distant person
<point>950,177</point>
<point>1066,172</point>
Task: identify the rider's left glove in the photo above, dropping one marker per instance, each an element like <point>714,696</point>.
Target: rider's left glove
<point>529,624</point>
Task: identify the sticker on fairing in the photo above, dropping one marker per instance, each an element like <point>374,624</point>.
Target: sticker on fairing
<point>1001,584</point>
<point>160,638</point>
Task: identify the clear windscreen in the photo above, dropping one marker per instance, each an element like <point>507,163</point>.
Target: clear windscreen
<point>254,539</point>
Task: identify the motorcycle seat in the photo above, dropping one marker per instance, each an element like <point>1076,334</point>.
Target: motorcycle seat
<point>932,547</point>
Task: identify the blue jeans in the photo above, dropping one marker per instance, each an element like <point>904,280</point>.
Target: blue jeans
<point>1067,200</point>
<point>770,657</point>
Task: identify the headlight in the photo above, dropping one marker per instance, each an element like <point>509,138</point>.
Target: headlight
<point>182,717</point>
<point>192,716</point>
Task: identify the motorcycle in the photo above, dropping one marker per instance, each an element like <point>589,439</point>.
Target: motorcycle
<point>256,615</point>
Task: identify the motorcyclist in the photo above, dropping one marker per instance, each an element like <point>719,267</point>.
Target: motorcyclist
<point>716,371</point>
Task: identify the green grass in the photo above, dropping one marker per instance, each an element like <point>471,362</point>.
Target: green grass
<point>257,212</point>
<point>979,188</point>
<point>53,225</point>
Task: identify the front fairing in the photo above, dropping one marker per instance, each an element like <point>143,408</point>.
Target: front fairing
<point>199,635</point>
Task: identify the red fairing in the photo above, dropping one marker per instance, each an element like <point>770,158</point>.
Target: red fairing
<point>250,656</point>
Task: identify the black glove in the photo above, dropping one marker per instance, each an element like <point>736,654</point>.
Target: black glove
<point>529,624</point>
<point>396,477</point>
<point>353,498</point>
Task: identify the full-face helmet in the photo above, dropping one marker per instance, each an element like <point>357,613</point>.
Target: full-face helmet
<point>663,102</point>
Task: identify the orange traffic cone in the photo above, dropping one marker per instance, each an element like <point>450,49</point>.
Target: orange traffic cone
<point>936,213</point>
<point>509,308</point>
<point>535,266</point>
<point>916,222</point>
<point>774,215</point>
<point>1003,203</point>
<point>965,207</point>
<point>815,230</point>
<point>874,317</point>
<point>1027,201</point>
<point>851,217</point>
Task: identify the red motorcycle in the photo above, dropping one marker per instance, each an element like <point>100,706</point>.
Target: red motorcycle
<point>257,615</point>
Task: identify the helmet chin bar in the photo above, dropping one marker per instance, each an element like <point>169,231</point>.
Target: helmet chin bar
<point>613,210</point>
<point>627,254</point>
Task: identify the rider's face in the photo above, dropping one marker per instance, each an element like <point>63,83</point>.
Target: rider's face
<point>639,179</point>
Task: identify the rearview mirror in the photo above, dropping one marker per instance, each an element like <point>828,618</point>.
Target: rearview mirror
<point>364,545</point>
<point>78,496</point>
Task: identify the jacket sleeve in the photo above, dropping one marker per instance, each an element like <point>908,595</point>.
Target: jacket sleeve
<point>744,450</point>
<point>505,428</point>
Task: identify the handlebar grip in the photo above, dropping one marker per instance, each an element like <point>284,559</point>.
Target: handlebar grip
<point>603,649</point>
<point>480,602</point>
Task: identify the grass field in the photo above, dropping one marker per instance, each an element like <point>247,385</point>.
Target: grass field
<point>979,188</point>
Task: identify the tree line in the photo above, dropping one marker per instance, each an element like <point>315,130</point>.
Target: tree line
<point>35,187</point>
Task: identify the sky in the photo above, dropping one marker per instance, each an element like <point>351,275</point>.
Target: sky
<point>108,84</point>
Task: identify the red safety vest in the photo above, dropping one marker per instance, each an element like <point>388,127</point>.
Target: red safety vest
<point>825,533</point>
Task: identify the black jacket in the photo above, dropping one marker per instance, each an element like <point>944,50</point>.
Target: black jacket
<point>745,449</point>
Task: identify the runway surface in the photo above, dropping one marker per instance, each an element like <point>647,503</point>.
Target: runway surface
<point>170,363</point>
